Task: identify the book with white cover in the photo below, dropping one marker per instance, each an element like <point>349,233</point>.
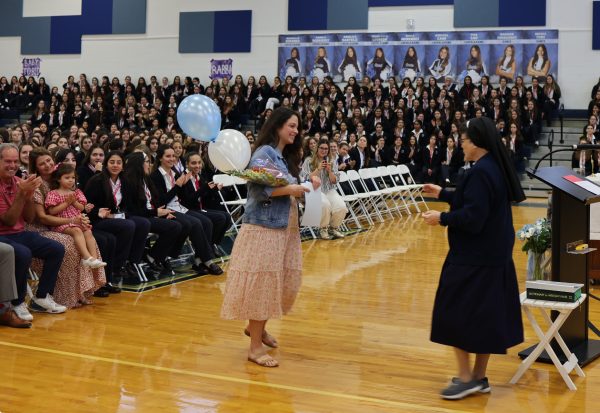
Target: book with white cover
<point>553,286</point>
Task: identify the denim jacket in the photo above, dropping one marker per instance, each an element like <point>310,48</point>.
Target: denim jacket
<point>261,208</point>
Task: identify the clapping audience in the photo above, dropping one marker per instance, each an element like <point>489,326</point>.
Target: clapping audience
<point>140,174</point>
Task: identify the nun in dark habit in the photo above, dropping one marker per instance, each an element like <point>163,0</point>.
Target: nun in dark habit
<point>477,308</point>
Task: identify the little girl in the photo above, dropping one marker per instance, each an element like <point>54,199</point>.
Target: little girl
<point>66,202</point>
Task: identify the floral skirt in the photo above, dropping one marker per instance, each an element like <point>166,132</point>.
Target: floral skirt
<point>265,271</point>
<point>74,282</point>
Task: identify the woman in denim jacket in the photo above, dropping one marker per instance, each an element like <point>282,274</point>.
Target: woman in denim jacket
<point>265,270</point>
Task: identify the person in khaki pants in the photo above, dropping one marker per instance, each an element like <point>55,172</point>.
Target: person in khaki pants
<point>8,289</point>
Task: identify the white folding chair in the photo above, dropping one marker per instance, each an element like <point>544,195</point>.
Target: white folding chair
<point>394,194</point>
<point>233,207</point>
<point>394,181</point>
<point>353,203</point>
<point>360,188</point>
<point>304,228</point>
<point>381,194</point>
<point>415,190</point>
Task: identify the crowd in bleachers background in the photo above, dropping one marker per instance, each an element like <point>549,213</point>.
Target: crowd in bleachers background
<point>389,113</point>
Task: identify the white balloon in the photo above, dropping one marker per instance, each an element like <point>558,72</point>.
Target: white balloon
<point>230,151</point>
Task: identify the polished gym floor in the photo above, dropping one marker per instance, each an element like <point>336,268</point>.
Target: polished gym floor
<point>357,341</point>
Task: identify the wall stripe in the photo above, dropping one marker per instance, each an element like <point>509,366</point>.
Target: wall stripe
<point>129,16</point>
<point>307,15</point>
<point>391,3</point>
<point>515,13</point>
<point>196,31</point>
<point>215,31</point>
<point>596,25</point>
<point>328,15</point>
<point>233,31</point>
<point>35,37</point>
<point>476,13</point>
<point>62,34</point>
<point>347,14</point>
<point>499,13</point>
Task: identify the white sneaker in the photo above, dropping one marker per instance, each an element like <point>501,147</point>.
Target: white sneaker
<point>324,234</point>
<point>46,305</point>
<point>336,233</point>
<point>22,312</point>
<point>98,263</point>
<point>88,263</point>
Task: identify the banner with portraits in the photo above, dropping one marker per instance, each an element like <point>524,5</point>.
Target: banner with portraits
<point>498,53</point>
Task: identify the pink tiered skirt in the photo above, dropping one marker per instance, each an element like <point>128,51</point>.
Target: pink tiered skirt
<point>265,271</point>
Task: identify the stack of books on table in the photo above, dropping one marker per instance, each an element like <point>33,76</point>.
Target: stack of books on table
<point>553,291</point>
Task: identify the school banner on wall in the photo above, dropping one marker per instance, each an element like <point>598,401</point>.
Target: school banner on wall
<point>508,53</point>
<point>221,68</point>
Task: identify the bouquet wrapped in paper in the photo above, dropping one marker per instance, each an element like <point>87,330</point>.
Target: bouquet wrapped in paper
<point>263,172</point>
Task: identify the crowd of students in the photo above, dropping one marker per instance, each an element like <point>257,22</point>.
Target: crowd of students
<point>114,166</point>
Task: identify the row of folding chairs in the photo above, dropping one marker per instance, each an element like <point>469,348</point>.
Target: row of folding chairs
<point>370,194</point>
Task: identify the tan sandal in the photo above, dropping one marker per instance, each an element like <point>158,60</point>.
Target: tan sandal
<point>264,361</point>
<point>267,339</point>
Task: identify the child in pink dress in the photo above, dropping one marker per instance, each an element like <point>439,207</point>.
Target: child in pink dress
<point>66,202</point>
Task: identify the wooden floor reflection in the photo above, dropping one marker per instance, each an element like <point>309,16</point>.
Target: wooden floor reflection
<point>357,341</point>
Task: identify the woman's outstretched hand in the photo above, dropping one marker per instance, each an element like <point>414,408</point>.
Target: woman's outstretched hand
<point>433,190</point>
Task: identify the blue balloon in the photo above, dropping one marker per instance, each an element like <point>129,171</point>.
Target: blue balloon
<point>199,117</point>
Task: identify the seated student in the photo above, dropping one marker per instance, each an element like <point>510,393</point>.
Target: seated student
<point>419,133</point>
<point>344,161</point>
<point>589,135</point>
<point>323,125</point>
<point>334,210</point>
<point>583,160</point>
<point>192,196</point>
<point>360,154</point>
<point>432,160</point>
<point>411,156</point>
<point>106,192</point>
<point>16,207</point>
<point>452,160</point>
<point>378,154</point>
<point>516,147</point>
<point>92,164</point>
<point>394,152</point>
<point>141,200</point>
<point>169,186</point>
<point>8,289</point>
<point>376,134</point>
<point>531,124</point>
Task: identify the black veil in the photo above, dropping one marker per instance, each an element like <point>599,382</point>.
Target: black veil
<point>483,133</point>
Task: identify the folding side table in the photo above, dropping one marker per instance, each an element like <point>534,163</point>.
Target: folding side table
<point>563,310</point>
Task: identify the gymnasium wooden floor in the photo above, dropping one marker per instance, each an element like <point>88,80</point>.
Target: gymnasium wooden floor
<point>357,341</point>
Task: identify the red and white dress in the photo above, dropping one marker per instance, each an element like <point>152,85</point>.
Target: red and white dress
<point>56,198</point>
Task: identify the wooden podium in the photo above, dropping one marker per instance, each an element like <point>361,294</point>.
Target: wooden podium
<point>570,223</point>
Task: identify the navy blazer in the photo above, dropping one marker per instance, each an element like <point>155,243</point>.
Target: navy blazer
<point>480,224</point>
<point>165,196</point>
<point>191,198</point>
<point>431,162</point>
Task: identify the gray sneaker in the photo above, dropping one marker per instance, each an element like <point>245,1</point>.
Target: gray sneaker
<point>457,391</point>
<point>485,384</point>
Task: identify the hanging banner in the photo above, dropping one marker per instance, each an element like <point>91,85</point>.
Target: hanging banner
<point>500,53</point>
<point>221,68</point>
<point>31,67</point>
